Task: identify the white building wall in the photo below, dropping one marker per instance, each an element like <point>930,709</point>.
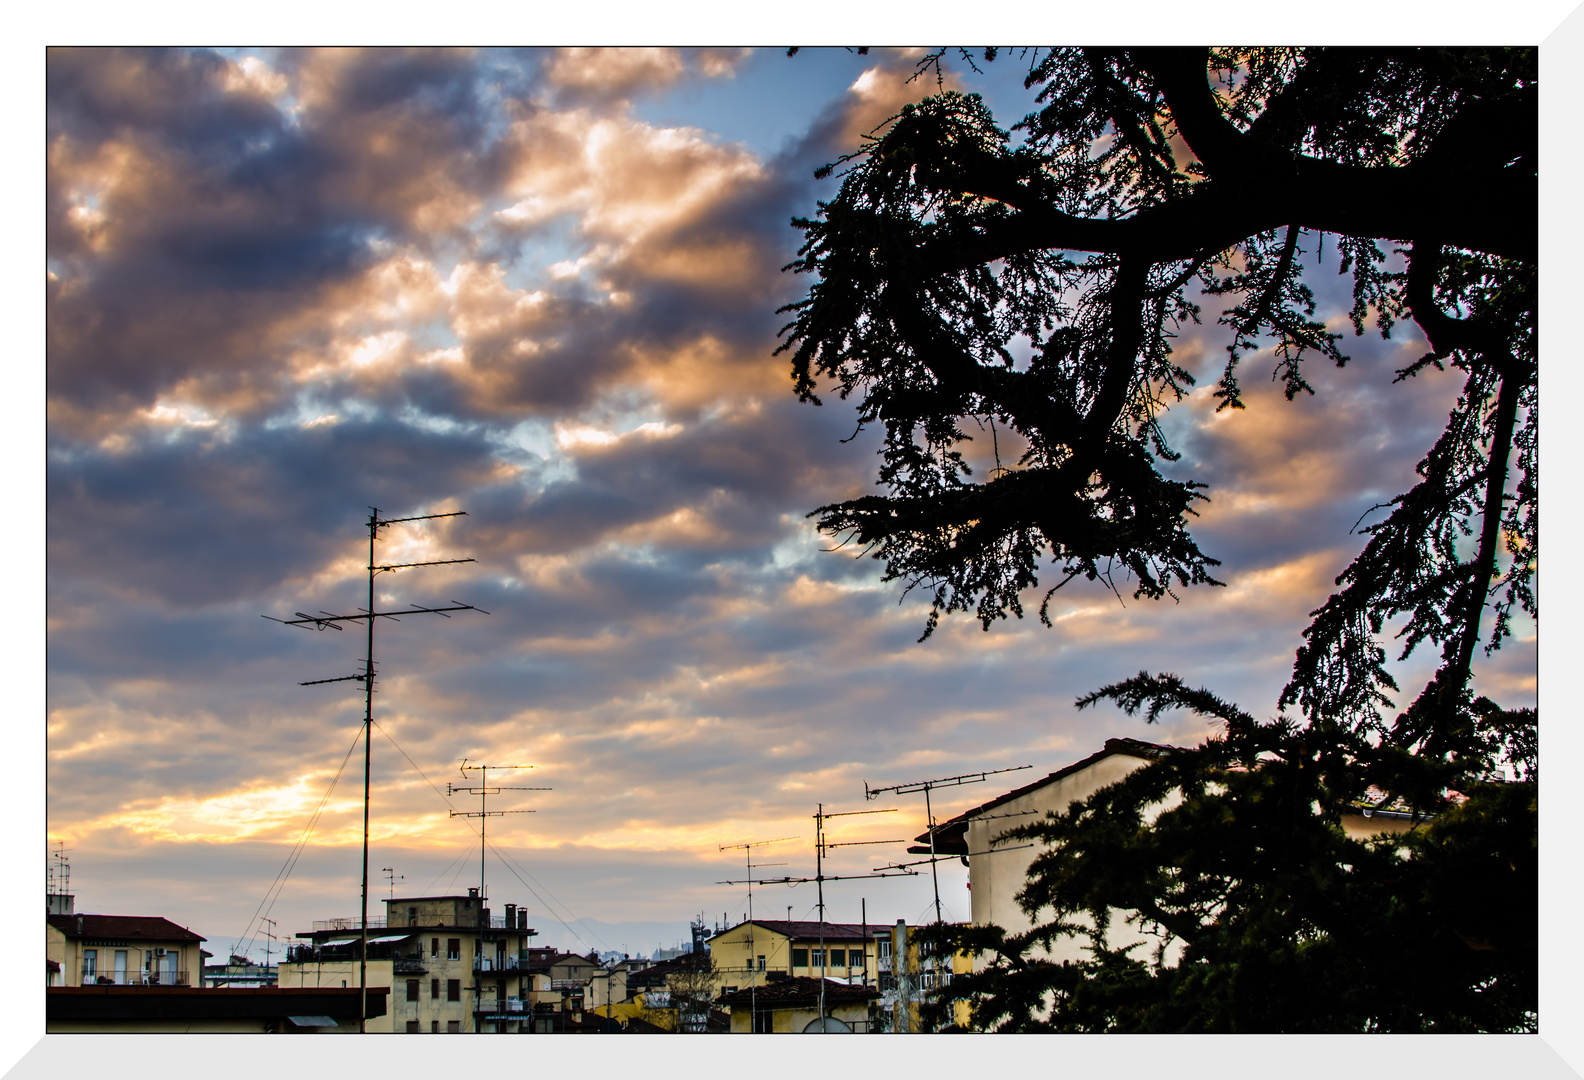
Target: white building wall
<point>998,872</point>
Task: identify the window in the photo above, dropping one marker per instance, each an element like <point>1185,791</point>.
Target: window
<point>412,989</point>
<point>761,963</point>
<point>887,981</point>
<point>453,989</point>
<point>453,1027</point>
<point>434,989</point>
<point>800,958</point>
<point>763,1022</point>
<point>885,949</point>
<point>434,1026</point>
<point>434,947</point>
<point>838,958</point>
<point>90,964</point>
<point>412,1027</point>
<point>412,916</point>
<point>855,958</point>
<point>453,948</point>
<point>819,958</point>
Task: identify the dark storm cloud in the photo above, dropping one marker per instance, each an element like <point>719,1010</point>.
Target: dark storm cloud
<point>197,519</point>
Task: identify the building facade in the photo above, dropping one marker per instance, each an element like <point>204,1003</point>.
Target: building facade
<point>122,950</point>
<point>450,965</point>
<point>746,954</point>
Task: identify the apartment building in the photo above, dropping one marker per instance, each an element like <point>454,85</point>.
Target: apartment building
<point>450,965</point>
<point>121,950</point>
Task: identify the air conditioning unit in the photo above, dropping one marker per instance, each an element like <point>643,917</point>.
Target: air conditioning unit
<point>159,952</point>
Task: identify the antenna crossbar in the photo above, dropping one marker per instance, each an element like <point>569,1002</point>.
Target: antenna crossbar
<point>376,521</point>
<point>341,678</point>
<point>926,786</point>
<point>949,781</point>
<point>432,562</point>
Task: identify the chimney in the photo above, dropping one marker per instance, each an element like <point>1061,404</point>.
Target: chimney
<point>511,916</point>
<point>522,918</point>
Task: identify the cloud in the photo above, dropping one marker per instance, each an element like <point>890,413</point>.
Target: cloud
<point>606,76</point>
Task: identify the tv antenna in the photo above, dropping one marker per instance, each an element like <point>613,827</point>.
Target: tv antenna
<point>269,937</point>
<point>58,872</point>
<point>753,969</point>
<point>325,620</point>
<point>391,878</point>
<point>821,845</point>
<point>925,786</point>
<point>484,791</point>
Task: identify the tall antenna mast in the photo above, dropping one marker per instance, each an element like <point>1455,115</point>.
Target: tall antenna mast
<point>391,878</point>
<point>929,815</point>
<point>819,878</point>
<point>483,813</point>
<point>753,972</point>
<point>326,619</point>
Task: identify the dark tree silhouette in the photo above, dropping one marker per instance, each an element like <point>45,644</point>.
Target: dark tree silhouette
<point>1147,181</point>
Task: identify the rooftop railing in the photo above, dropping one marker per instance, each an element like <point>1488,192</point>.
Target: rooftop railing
<point>403,922</point>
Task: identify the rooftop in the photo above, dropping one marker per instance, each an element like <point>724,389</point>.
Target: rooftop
<point>951,836</point>
<point>810,929</point>
<point>122,927</point>
<point>798,990</point>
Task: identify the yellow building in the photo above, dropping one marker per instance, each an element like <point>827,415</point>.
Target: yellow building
<point>450,965</point>
<point>749,952</point>
<point>791,1004</point>
<point>121,950</point>
<point>913,973</point>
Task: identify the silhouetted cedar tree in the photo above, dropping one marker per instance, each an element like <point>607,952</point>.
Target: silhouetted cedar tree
<point>966,284</point>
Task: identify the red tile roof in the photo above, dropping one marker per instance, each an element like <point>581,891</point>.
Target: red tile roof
<point>128,927</point>
<point>799,990</point>
<point>801,929</point>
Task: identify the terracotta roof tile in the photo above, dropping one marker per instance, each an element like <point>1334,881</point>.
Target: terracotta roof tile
<point>130,927</point>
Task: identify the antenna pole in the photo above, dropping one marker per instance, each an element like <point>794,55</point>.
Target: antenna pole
<point>368,744</point>
<point>483,813</point>
<point>929,817</point>
<point>326,619</point>
<point>753,973</point>
<point>819,884</point>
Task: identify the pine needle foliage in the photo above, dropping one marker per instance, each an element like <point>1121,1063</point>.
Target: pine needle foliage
<point>971,280</point>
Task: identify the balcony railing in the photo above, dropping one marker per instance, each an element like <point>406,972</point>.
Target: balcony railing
<point>134,978</point>
<point>401,922</point>
<point>351,922</point>
<point>497,1007</point>
<point>517,964</point>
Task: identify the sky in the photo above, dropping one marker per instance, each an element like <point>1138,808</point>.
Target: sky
<point>541,287</point>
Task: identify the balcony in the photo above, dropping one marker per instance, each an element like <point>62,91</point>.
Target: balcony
<point>509,1009</point>
<point>91,977</point>
<point>516,965</point>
